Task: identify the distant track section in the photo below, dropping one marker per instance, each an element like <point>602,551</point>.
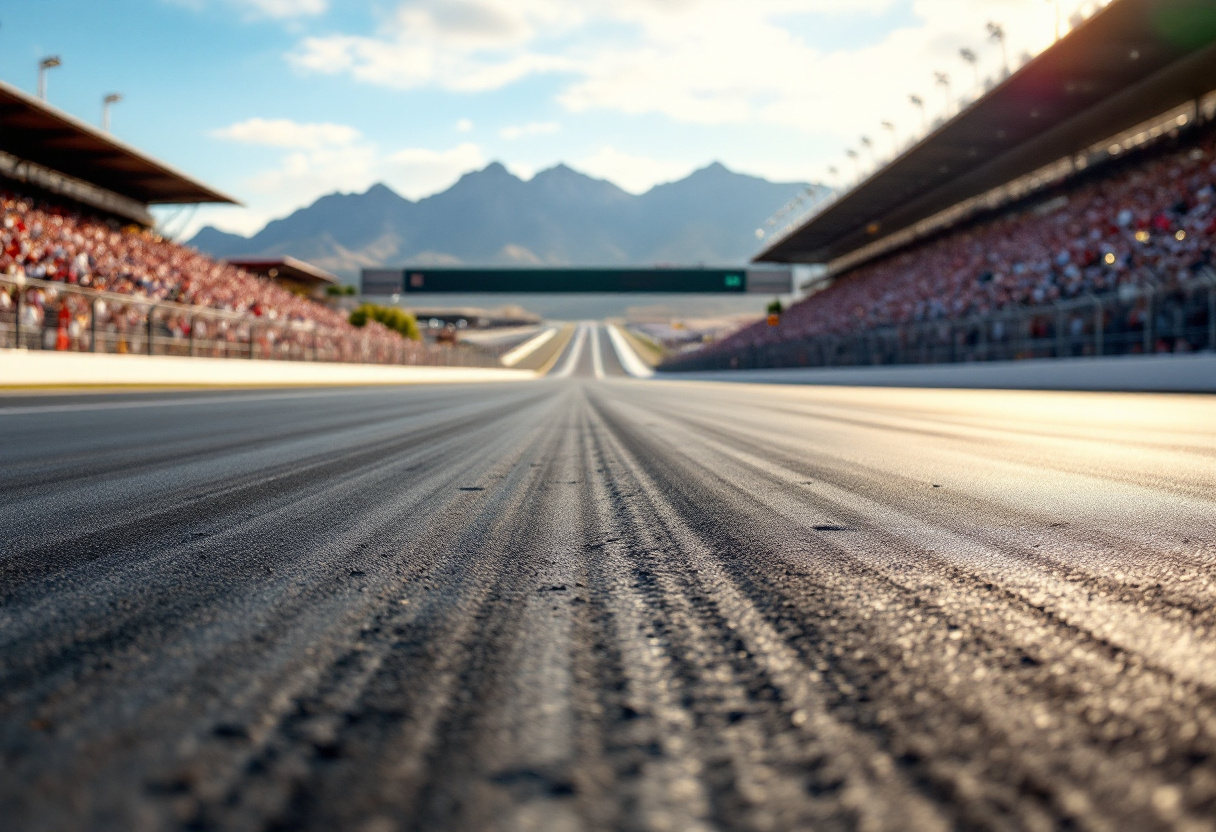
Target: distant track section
<point>528,347</point>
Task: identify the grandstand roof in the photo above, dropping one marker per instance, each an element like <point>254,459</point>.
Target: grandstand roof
<point>1128,63</point>
<point>32,129</point>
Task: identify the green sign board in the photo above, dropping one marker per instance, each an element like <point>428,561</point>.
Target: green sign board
<point>553,281</point>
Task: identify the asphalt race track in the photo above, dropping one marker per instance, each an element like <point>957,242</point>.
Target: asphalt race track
<point>606,603</point>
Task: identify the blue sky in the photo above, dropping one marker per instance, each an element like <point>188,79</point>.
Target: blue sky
<point>280,101</point>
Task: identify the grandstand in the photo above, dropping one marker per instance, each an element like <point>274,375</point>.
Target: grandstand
<point>1068,211</point>
<point>81,268</point>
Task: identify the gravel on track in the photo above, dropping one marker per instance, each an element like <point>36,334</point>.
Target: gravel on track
<point>607,604</point>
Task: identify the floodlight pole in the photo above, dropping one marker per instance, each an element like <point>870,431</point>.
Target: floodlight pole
<point>919,103</point>
<point>970,57</point>
<point>49,62</point>
<point>112,98</point>
<point>943,80</point>
<point>869,146</point>
<point>997,32</point>
<point>852,154</point>
<point>890,128</point>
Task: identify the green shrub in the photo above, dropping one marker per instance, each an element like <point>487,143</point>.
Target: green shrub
<point>395,319</point>
<point>774,308</point>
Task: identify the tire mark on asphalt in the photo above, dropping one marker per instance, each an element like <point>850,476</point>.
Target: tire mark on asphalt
<point>676,476</point>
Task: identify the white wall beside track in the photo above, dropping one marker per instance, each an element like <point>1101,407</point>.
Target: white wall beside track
<point>34,368</point>
<point>630,360</point>
<point>1191,373</point>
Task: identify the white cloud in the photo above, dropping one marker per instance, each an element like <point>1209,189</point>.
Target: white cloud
<point>284,133</point>
<point>255,9</point>
<point>523,170</point>
<point>406,62</point>
<point>635,174</point>
<point>740,65</point>
<point>418,172</point>
<point>324,158</point>
<point>284,8</point>
<point>536,128</point>
<point>710,62</point>
<point>466,45</point>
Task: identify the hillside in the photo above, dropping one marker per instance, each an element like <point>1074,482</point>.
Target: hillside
<point>492,217</point>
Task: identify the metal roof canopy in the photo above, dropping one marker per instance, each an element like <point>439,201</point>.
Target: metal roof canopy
<point>1131,61</point>
<point>32,129</point>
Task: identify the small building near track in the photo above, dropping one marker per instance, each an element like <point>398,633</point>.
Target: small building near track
<point>296,276</point>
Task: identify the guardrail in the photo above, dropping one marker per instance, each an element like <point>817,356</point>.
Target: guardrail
<point>48,315</point>
<point>1135,320</point>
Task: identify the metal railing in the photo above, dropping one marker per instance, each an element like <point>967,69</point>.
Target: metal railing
<point>1134,320</point>
<point>48,315</point>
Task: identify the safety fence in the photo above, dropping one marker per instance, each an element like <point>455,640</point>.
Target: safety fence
<point>1179,317</point>
<point>47,315</point>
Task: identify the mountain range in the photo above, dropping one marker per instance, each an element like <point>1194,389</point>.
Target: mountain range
<point>559,217</point>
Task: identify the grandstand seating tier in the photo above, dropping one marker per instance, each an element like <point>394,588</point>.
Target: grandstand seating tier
<point>1147,220</point>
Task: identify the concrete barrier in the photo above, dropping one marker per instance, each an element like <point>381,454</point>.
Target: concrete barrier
<point>38,368</point>
<point>1190,373</point>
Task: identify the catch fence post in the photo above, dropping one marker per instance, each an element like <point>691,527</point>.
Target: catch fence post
<point>93,325</point>
<point>1209,277</point>
<point>1061,326</point>
<point>1148,320</point>
<point>151,317</point>
<point>1099,326</point>
<point>1212,318</point>
<point>17,319</point>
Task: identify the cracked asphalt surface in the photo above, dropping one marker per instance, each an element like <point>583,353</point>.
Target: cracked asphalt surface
<point>601,603</point>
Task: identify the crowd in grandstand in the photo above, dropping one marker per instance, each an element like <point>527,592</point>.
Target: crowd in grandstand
<point>1149,222</point>
<point>51,242</point>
